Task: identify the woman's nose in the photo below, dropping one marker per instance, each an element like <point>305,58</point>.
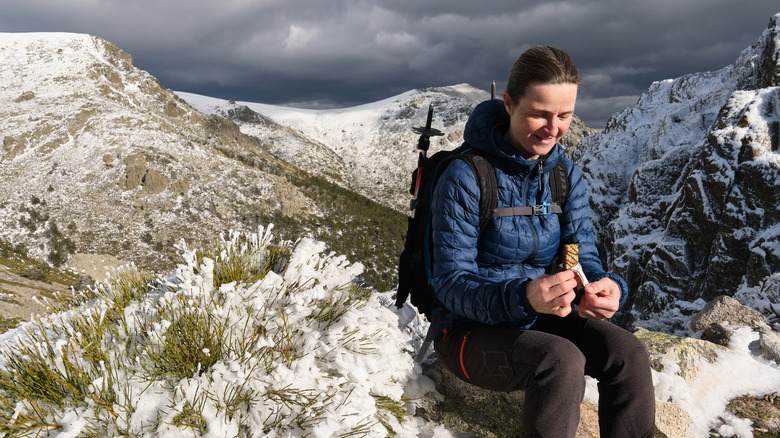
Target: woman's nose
<point>553,126</point>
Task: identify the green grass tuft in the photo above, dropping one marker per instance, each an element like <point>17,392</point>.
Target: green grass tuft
<point>193,342</point>
<point>244,261</point>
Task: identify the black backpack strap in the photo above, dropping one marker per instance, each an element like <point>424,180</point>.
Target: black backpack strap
<point>559,190</point>
<point>488,187</point>
<point>559,183</point>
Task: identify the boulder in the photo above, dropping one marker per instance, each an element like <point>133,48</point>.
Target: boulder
<point>671,421</point>
<point>725,310</point>
<point>677,355</point>
<point>469,409</point>
<point>135,166</point>
<point>770,343</point>
<point>722,315</point>
<point>154,182</point>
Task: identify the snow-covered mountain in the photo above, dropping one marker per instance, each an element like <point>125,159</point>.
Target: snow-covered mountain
<point>685,186</point>
<point>98,151</point>
<point>368,148</point>
<point>98,157</point>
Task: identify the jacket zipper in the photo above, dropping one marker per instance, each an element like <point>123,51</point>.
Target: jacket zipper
<point>539,171</point>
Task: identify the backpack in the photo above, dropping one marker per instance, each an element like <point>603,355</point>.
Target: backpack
<point>415,265</point>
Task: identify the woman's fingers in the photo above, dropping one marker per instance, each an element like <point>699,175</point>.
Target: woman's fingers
<point>553,293</point>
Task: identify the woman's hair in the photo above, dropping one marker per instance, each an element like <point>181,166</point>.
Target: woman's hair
<point>544,64</point>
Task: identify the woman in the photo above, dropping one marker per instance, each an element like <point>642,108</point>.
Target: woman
<point>506,325</point>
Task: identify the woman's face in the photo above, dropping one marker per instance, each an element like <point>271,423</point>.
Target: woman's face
<point>540,117</point>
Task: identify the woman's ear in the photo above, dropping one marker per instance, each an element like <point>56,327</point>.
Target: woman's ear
<point>508,104</point>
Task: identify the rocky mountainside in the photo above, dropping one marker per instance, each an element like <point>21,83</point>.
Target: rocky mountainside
<point>368,148</point>
<point>97,157</point>
<point>686,187</point>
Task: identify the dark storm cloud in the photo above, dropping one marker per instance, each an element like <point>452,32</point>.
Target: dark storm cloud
<point>345,52</point>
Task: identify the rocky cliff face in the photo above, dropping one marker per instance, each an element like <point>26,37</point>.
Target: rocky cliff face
<point>686,186</point>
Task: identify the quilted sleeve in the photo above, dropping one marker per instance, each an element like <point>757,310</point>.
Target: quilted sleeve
<point>576,227</point>
<point>457,280</point>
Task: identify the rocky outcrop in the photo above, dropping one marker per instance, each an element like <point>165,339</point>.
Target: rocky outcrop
<point>718,319</point>
<point>676,355</point>
<point>576,132</point>
<point>685,185</point>
<point>725,311</point>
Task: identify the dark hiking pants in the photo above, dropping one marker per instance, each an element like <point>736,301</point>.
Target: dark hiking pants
<point>549,362</point>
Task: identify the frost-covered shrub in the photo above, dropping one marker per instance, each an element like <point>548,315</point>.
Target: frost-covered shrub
<point>286,344</point>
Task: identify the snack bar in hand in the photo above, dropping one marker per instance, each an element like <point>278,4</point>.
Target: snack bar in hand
<point>571,260</point>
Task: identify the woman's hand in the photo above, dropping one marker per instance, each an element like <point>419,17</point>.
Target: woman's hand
<point>552,294</point>
<point>600,300</point>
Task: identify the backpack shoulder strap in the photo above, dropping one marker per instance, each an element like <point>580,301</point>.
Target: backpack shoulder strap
<point>486,180</point>
<point>559,184</point>
<point>488,188</point>
<point>559,190</point>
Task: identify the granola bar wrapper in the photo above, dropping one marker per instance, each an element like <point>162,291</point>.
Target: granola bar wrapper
<point>571,261</point>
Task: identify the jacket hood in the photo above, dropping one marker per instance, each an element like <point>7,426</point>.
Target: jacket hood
<point>485,131</point>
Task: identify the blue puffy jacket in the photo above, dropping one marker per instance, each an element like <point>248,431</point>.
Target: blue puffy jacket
<point>484,277</point>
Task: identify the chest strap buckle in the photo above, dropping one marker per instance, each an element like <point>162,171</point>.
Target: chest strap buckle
<point>541,209</point>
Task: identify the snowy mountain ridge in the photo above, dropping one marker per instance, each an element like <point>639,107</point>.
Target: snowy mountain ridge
<point>370,148</point>
<point>372,145</point>
<point>685,187</point>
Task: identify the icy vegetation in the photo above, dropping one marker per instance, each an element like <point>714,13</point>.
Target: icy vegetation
<point>250,338</point>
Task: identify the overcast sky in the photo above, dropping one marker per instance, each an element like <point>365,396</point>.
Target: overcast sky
<point>335,53</point>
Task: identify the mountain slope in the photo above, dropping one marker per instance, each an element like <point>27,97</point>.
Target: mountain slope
<point>98,157</point>
<point>369,148</point>
<point>92,145</point>
<point>686,186</point>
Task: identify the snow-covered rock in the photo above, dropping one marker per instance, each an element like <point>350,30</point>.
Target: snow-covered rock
<point>685,186</point>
